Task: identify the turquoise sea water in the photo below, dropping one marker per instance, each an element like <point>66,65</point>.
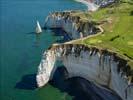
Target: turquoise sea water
<point>21,49</point>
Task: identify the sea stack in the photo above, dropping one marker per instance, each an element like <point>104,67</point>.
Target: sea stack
<point>38,28</point>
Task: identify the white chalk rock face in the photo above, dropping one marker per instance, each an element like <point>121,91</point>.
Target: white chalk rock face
<point>45,68</point>
<point>70,24</point>
<point>89,63</point>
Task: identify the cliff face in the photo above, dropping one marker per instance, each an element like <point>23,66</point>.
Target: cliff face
<point>99,66</point>
<point>72,25</point>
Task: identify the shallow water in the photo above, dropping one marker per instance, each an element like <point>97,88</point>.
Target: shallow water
<point>21,49</point>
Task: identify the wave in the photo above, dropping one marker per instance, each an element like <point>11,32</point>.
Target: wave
<point>91,6</point>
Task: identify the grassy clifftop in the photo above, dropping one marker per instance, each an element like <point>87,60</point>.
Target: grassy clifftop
<point>117,22</point>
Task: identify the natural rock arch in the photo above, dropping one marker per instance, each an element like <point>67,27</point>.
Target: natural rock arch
<point>100,66</point>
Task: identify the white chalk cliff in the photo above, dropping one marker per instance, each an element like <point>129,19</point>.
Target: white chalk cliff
<point>99,66</point>
<point>72,25</point>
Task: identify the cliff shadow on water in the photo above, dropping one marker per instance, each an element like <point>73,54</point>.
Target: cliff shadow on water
<point>28,82</point>
<point>80,88</point>
<point>59,32</point>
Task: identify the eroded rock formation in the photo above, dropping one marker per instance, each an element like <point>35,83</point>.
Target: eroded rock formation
<point>71,24</point>
<point>94,64</point>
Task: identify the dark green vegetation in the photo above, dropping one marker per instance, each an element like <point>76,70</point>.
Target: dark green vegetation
<point>117,22</point>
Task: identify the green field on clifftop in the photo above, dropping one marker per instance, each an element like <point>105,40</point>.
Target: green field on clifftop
<point>117,22</point>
